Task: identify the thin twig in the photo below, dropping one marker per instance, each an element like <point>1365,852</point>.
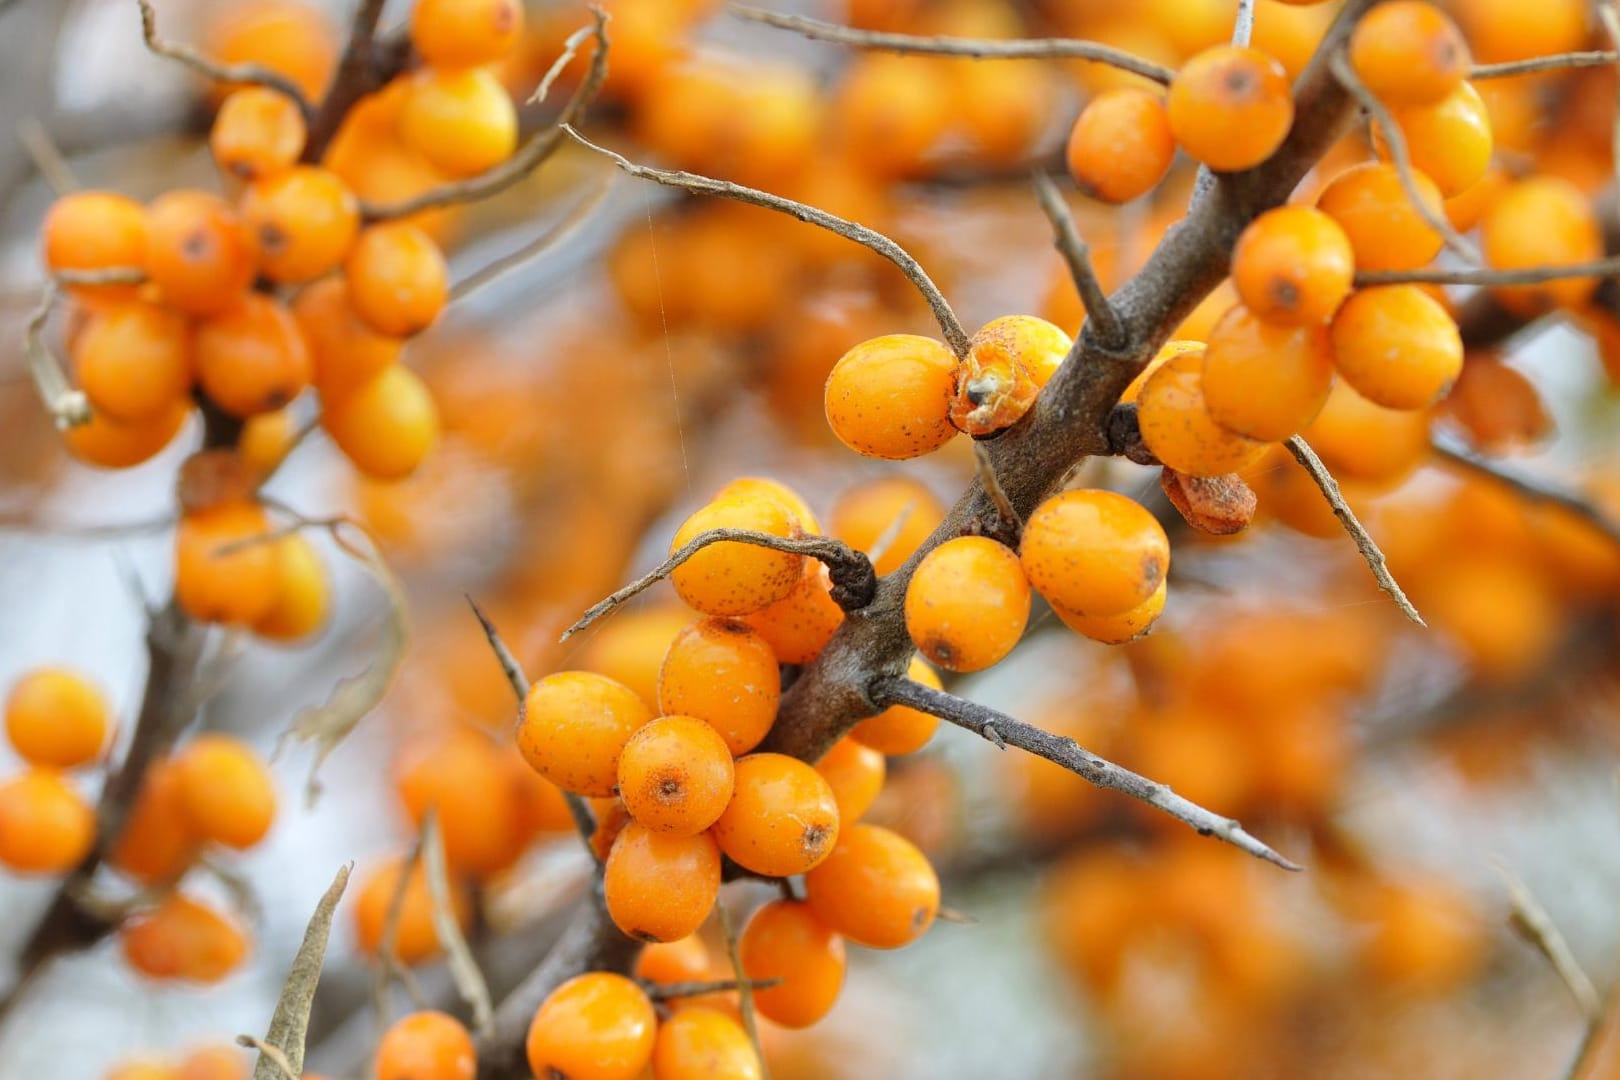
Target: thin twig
<point>570,50</point>
<point>1347,517</point>
<point>47,156</point>
<point>1004,731</point>
<point>973,48</point>
<point>950,326</point>
<point>463,968</point>
<point>1243,23</point>
<point>1609,13</point>
<point>1551,62</point>
<point>1009,518</point>
<point>667,991</point>
<point>290,1022</point>
<point>389,965</point>
<point>559,232</point>
<point>1530,275</point>
<point>1077,254</point>
<point>67,407</point>
<point>853,580</point>
<point>745,989</point>
<point>1532,922</point>
<point>1530,487</point>
<point>256,74</point>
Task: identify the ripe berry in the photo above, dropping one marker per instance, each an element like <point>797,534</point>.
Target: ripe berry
<point>214,1063</point>
<point>236,586</point>
<point>1008,362</point>
<point>56,717</point>
<point>200,254</point>
<point>415,938</point>
<point>1230,107</point>
<point>798,626</point>
<point>1292,266</point>
<point>596,1026</point>
<point>133,361</point>
<point>1397,346</point>
<point>660,886</point>
<point>1359,440</point>
<point>1095,552</point>
<point>398,281</point>
<point>251,357</point>
<point>1385,229</point>
<point>574,726</point>
<point>225,791</point>
<point>1506,30</point>
<point>887,518</point>
<point>890,397</point>
<point>967,603</point>
<point>463,777</point>
<point>1121,145</point>
<point>631,647</point>
<point>1538,222</point>
<point>458,33</point>
<point>303,593</point>
<point>257,132</point>
<point>1448,141</point>
<point>785,940</point>
<point>700,1043</point>
<point>157,843</point>
<point>46,826</point>
<point>890,111</point>
<point>855,772</point>
<point>1262,380</point>
<point>900,729</point>
<point>386,426</point>
<point>682,960</point>
<point>791,500</point>
<point>304,220</point>
<point>344,350</point>
<point>725,674</point>
<point>783,818</point>
<point>426,1046</point>
<point>95,230</point>
<point>1176,425</point>
<point>675,775</point>
<point>108,444</point>
<point>875,888</point>
<point>732,577</point>
<point>1116,629</point>
<point>461,121</point>
<point>291,39</point>
<point>1407,52</point>
<point>183,939</point>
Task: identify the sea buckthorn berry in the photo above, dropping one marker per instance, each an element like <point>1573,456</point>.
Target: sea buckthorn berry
<point>732,577</point>
<point>426,1045</point>
<point>215,1063</point>
<point>1465,210</point>
<point>237,586</point>
<point>798,626</point>
<point>775,489</point>
<point>900,729</point>
<point>1541,221</point>
<point>1293,265</point>
<point>305,221</point>
<point>1230,107</point>
<point>1386,231</point>
<point>1265,381</point>
<point>303,593</point>
<point>1506,30</point>
<point>462,121</point>
<point>675,775</point>
<point>57,718</point>
<point>967,603</point>
<point>397,278</point>
<point>785,940</point>
<point>611,818</point>
<point>632,645</point>
<point>1172,349</point>
<point>95,230</point>
<point>257,132</point>
<point>1449,141</point>
<point>142,1070</point>
<point>660,886</point>
<point>1008,362</point>
<point>386,426</point>
<point>574,726</point>
<point>251,357</point>
<point>183,939</point>
<point>225,791</point>
<point>133,361</point>
<point>464,33</point>
<point>1095,552</point>
<point>200,253</point>
<point>1177,427</point>
<point>291,39</point>
<point>1359,440</point>
<point>1408,52</point>
<point>46,826</point>
<point>415,938</point>
<point>157,843</point>
<point>783,818</point>
<point>1121,145</point>
<point>890,112</point>
<point>105,443</point>
<point>345,351</point>
<point>890,397</point>
<point>855,772</point>
<point>1119,628</point>
<point>208,478</point>
<point>725,674</point>
<point>875,888</point>
<point>596,1026</point>
<point>462,777</point>
<point>1397,346</point>
<point>700,1043</point>
<point>887,518</point>
<point>682,960</point>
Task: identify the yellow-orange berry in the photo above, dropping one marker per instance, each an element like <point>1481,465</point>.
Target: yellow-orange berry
<point>1359,440</point>
<point>1542,221</point>
<point>785,940</point>
<point>461,121</point>
<point>1008,362</point>
<point>596,1026</point>
<point>731,577</point>
<point>700,1043</point>
<point>415,938</point>
<point>967,603</point>
<point>459,33</point>
<point>855,772</point>
<point>463,778</point>
<point>222,572</point>
<point>1118,628</point>
<point>1397,346</point>
<point>345,351</point>
<point>887,518</point>
<point>791,500</point>
<point>398,281</point>
<point>1263,380</point>
<point>660,886</point>
<point>1096,552</point>
<point>1449,141</point>
<point>95,230</point>
<point>900,729</point>
<point>890,397</point>
<point>783,818</point>
<point>304,221</point>
<point>682,960</point>
<point>183,939</point>
<point>225,791</point>
<point>387,425</point>
<point>875,888</point>
<point>675,775</point>
<point>133,360</point>
<point>1121,145</point>
<point>725,674</point>
<point>1177,426</point>
<point>257,132</point>
<point>251,357</point>
<point>426,1046</point>
<point>798,626</point>
<point>46,826</point>
<point>1230,107</point>
<point>574,727</point>
<point>303,593</point>
<point>1385,230</point>
<point>57,718</point>
<point>200,254</point>
<point>108,444</point>
<point>1408,52</point>
<point>157,842</point>
<point>1293,266</point>
<point>215,1063</point>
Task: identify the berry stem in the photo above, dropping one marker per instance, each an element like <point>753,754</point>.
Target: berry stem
<point>358,74</point>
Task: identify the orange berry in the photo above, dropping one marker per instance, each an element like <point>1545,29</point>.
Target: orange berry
<point>731,577</point>
<point>891,111</point>
<point>142,1070</point>
<point>183,939</point>
<point>785,940</point>
<point>675,775</point>
<point>133,361</point>
<point>660,886</point>
<point>387,425</point>
<point>1008,362</point>
<point>292,39</point>
<point>456,33</point>
<point>397,278</point>
<point>251,357</point>
<point>461,121</point>
<point>700,1043</point>
<point>1171,349</point>
<point>95,230</point>
<point>1118,628</point>
<point>303,593</point>
<point>1541,221</point>
<point>725,674</point>
<point>463,778</point>
<point>855,771</point>
<point>783,818</point>
<point>900,729</point>
<point>1094,552</point>
<point>1263,380</point>
<point>200,254</point>
<point>157,843</point>
<point>426,1046</point>
<point>1506,30</point>
<point>1230,107</point>
<point>967,603</point>
<point>1293,265</point>
<point>890,397</point>
<point>46,826</point>
<point>632,645</point>
<point>798,626</point>
<point>875,888</point>
<point>1397,346</point>
<point>682,960</point>
<point>257,132</point>
<point>1121,145</point>
<point>1359,440</point>
<point>225,791</point>
<point>1176,425</point>
<point>215,1063</point>
<point>236,586</point>
<point>1386,231</point>
<point>596,1026</point>
<point>1408,52</point>
<point>611,818</point>
<point>344,350</point>
<point>894,512</point>
<point>57,718</point>
<point>415,939</point>
<point>1449,141</point>
<point>791,500</point>
<point>305,221</point>
<point>110,445</point>
<point>574,726</point>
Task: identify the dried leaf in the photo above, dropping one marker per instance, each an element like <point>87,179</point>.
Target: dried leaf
<point>290,1023</point>
<point>1218,505</point>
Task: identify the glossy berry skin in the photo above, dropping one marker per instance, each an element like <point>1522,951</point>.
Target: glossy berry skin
<point>46,826</point>
<point>397,278</point>
<point>890,397</point>
<point>426,1046</point>
<point>896,512</point>
<point>1397,346</point>
<point>1359,440</point>
<point>900,729</point>
<point>345,351</point>
<point>1095,552</point>
<point>257,132</point>
<point>1176,425</point>
<point>682,960</point>
<point>251,358</point>
<point>157,842</point>
<point>700,1043</point>
<point>107,444</point>
<point>1008,362</point>
<point>415,938</point>
<point>462,776</point>
<point>1539,222</point>
<point>1265,381</point>
<point>225,791</point>
<point>199,252</point>
<point>783,818</point>
<point>785,940</point>
<point>798,626</point>
<point>875,888</point>
<point>459,33</point>
<point>57,718</point>
<point>1449,141</point>
<point>236,586</point>
<point>1293,266</point>
<point>387,425</point>
<point>183,939</point>
<point>1119,628</point>
<point>95,230</point>
<point>574,727</point>
<point>1385,229</point>
<point>967,603</point>
<point>732,577</point>
<point>1230,107</point>
<point>676,775</point>
<point>133,361</point>
<point>304,221</point>
<point>461,121</point>
<point>660,886</point>
<point>725,674</point>
<point>303,593</point>
<point>1407,52</point>
<point>855,772</point>
<point>791,500</point>
<point>1121,145</point>
<point>596,1026</point>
